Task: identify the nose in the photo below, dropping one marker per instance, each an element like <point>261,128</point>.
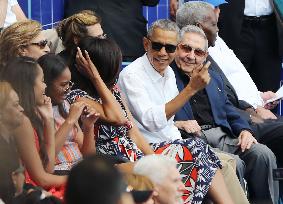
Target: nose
<point>47,49</point>
<point>181,187</point>
<point>163,51</point>
<point>191,55</point>
<point>21,109</point>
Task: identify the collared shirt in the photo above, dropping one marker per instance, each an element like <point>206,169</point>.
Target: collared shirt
<point>147,92</point>
<point>236,73</point>
<point>257,8</point>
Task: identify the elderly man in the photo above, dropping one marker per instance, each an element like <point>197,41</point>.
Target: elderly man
<point>266,131</point>
<point>162,171</point>
<point>221,124</point>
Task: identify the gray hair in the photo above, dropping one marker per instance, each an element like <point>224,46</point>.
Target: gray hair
<point>163,24</point>
<point>193,29</point>
<point>155,167</point>
<point>193,12</point>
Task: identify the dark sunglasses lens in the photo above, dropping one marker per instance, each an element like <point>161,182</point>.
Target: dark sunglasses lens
<point>170,48</point>
<point>42,44</point>
<point>156,46</point>
<point>186,48</point>
<point>199,52</point>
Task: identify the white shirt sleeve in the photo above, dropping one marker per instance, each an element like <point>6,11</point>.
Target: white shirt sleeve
<point>139,97</point>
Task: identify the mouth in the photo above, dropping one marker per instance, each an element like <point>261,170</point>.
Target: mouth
<point>161,60</point>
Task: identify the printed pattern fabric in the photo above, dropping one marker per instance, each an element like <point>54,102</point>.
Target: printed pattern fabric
<point>197,163</point>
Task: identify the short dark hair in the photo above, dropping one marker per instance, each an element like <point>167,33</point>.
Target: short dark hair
<point>94,180</point>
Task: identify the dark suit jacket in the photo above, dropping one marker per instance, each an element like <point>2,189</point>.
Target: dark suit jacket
<point>223,111</point>
<point>230,23</point>
<point>122,20</point>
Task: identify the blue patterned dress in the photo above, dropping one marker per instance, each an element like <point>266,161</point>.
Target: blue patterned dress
<point>197,163</point>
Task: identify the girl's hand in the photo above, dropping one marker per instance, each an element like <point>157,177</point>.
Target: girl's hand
<point>76,111</point>
<point>89,117</point>
<point>45,110</point>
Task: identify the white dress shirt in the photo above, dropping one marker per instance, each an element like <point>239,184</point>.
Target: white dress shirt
<point>257,8</point>
<point>236,73</point>
<point>147,92</point>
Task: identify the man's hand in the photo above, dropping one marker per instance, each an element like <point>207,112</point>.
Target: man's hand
<point>246,139</point>
<point>267,95</point>
<point>264,113</point>
<point>173,9</point>
<point>190,126</point>
<point>200,77</point>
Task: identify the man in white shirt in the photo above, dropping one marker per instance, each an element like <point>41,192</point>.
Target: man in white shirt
<point>147,84</point>
<point>250,29</point>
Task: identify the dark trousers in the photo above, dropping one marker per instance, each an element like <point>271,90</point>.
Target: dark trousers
<point>270,133</point>
<point>258,51</point>
<point>259,163</point>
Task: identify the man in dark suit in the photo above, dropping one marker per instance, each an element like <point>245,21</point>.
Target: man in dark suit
<point>222,126</point>
<point>122,20</point>
<point>251,29</point>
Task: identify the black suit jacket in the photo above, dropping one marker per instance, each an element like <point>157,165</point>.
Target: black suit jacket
<point>230,23</point>
<point>122,20</point>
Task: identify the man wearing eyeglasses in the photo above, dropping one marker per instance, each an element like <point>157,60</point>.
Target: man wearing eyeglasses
<point>210,115</point>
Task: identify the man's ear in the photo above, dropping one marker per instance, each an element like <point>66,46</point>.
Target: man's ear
<point>145,43</point>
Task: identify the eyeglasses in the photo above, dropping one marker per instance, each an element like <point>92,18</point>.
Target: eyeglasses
<point>158,46</point>
<point>187,48</point>
<point>41,44</point>
<point>71,84</point>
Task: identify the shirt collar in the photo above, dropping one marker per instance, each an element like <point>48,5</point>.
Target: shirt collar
<point>153,74</point>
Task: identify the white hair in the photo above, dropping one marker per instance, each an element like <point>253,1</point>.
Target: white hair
<point>156,167</point>
<point>193,29</point>
<point>163,24</point>
<point>193,12</point>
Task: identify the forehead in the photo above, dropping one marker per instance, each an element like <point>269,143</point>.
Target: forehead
<point>195,40</point>
<point>211,17</point>
<point>39,37</point>
<point>164,36</point>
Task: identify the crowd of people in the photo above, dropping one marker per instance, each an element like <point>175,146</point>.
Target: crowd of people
<point>172,127</point>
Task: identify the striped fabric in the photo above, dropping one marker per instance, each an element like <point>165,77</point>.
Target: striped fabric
<point>70,153</point>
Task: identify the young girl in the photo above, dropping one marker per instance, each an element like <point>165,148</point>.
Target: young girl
<point>35,136</point>
<point>71,143</point>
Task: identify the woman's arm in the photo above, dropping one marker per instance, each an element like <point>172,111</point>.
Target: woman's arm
<point>25,141</point>
<point>89,117</point>
<point>17,10</point>
<point>136,135</point>
<point>111,111</point>
<point>46,114</point>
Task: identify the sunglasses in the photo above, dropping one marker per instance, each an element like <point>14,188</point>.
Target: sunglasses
<point>41,44</point>
<point>158,46</point>
<point>187,48</point>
